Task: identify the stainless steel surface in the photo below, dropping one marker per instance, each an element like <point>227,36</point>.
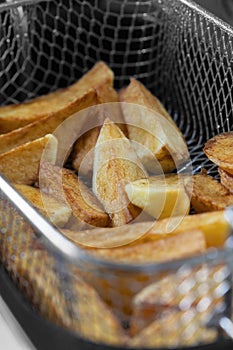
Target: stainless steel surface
<point>220,8</point>
<point>11,334</point>
<point>182,53</point>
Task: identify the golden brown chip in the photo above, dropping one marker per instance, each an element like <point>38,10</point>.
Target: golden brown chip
<point>197,287</point>
<point>213,224</point>
<point>57,212</point>
<point>109,237</point>
<point>16,116</point>
<point>219,150</point>
<point>88,309</point>
<point>153,128</point>
<point>21,164</point>
<point>64,185</point>
<point>115,164</point>
<point>226,179</point>
<point>166,249</point>
<point>46,124</point>
<point>83,151</point>
<point>177,329</point>
<point>207,194</point>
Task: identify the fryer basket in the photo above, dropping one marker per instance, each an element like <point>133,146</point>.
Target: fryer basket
<point>185,56</point>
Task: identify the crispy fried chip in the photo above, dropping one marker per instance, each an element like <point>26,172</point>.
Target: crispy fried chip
<point>83,151</point>
<point>176,329</point>
<point>226,179</point>
<point>21,164</point>
<point>46,124</point>
<point>169,248</point>
<point>58,213</point>
<point>64,185</point>
<point>16,116</point>
<point>207,194</point>
<point>115,164</point>
<point>179,290</point>
<point>109,237</point>
<point>219,150</point>
<point>213,224</point>
<point>153,128</point>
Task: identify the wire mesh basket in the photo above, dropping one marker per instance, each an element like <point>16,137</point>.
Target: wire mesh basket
<point>185,57</point>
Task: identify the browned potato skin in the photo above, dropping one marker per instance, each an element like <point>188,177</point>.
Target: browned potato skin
<point>86,143</point>
<point>169,248</point>
<point>219,150</point>
<point>111,169</point>
<point>55,211</point>
<point>208,194</point>
<point>75,193</point>
<point>226,179</point>
<point>20,165</point>
<point>17,116</point>
<point>137,93</point>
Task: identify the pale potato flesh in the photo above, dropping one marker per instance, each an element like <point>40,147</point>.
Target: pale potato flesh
<point>160,196</point>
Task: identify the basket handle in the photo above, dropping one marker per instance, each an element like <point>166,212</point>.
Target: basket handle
<point>226,326</point>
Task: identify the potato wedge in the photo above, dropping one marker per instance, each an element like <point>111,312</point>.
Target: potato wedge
<point>58,213</point>
<point>226,179</point>
<point>172,247</point>
<point>208,194</point>
<point>99,75</point>
<point>219,150</point>
<point>213,224</point>
<point>176,290</point>
<point>110,237</point>
<point>162,197</point>
<point>153,128</point>
<point>46,124</point>
<point>16,116</point>
<point>115,164</point>
<point>177,329</point>
<point>65,186</point>
<point>21,164</point>
<point>83,150</point>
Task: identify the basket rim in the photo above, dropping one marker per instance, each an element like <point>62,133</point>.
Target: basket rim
<point>208,15</point>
